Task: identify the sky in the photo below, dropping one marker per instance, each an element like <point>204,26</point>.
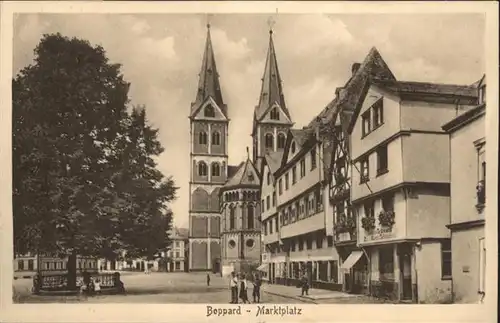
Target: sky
<point>161,57</point>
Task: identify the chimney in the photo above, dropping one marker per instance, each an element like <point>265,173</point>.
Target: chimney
<point>355,68</point>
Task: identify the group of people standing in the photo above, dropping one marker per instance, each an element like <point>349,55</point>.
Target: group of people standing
<point>240,283</point>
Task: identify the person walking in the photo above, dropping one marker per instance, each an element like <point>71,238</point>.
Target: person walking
<point>208,279</point>
<point>244,289</point>
<point>234,288</point>
<point>257,282</point>
<point>305,285</point>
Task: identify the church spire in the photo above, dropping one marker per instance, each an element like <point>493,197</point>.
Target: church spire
<point>208,85</point>
<point>272,91</point>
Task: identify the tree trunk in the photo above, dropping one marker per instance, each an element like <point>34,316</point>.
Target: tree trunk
<point>72,271</point>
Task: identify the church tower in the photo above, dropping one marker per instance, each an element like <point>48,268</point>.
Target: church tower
<point>209,170</point>
<point>271,116</point>
<point>241,231</point>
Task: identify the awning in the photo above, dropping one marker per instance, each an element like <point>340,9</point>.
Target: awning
<point>262,267</point>
<point>352,260</point>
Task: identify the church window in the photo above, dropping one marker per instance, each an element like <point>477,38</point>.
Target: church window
<point>215,169</point>
<point>203,138</point>
<point>275,115</point>
<point>209,112</point>
<point>202,169</point>
<point>269,141</point>
<point>281,141</point>
<point>231,218</point>
<point>250,217</point>
<point>215,138</point>
<point>250,243</point>
<point>232,244</point>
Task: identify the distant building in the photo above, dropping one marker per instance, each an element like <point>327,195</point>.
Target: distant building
<point>178,254</point>
<point>46,264</point>
<point>468,200</point>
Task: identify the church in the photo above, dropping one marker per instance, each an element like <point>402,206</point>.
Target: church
<point>224,203</point>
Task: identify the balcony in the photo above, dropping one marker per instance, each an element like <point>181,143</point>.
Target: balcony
<point>305,225</point>
<point>271,238</point>
<point>345,229</point>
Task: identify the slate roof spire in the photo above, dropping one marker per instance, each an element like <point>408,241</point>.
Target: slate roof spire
<point>272,90</point>
<point>208,84</point>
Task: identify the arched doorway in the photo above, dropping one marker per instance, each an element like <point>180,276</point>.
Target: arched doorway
<point>216,265</point>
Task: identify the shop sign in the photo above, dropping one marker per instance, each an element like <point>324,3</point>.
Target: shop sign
<point>380,234</point>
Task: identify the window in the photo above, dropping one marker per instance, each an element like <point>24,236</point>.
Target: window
<point>215,169</point>
<point>446,259</point>
<point>202,138</point>
<point>388,202</point>
<point>215,138</point>
<point>202,169</point>
<point>333,271</point>
<point>301,244</point>
<point>365,171</point>
<point>369,209</point>
<point>287,182</point>
<point>378,113</point>
<point>274,199</point>
<point>250,217</point>
<point>482,94</point>
<point>20,265</point>
<point>231,218</point>
<point>31,265</point>
<point>177,254</point>
<point>382,160</point>
<point>482,265</point>
<point>281,141</point>
<point>319,241</point>
<point>262,204</point>
<point>313,158</point>
<point>177,244</point>
<point>275,115</point>
<point>268,203</point>
<point>302,168</point>
<point>250,243</point>
<point>365,123</point>
<point>329,241</point>
<point>294,175</point>
<point>268,178</point>
<point>271,226</point>
<point>293,148</point>
<point>209,111</point>
<point>293,245</point>
<point>280,186</point>
<point>177,265</point>
<point>276,225</point>
<point>269,144</point>
<point>309,242</point>
<point>386,262</point>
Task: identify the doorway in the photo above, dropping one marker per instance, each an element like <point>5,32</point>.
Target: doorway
<point>216,266</point>
<point>405,274</point>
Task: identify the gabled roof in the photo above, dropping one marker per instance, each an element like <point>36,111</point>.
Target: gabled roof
<point>272,91</point>
<point>403,87</point>
<point>464,118</point>
<point>208,85</point>
<point>231,170</point>
<point>246,175</point>
<point>346,97</point>
<point>179,233</point>
<point>301,137</point>
<point>273,160</point>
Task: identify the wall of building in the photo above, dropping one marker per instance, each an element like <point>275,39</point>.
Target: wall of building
<point>198,252</point>
<point>267,190</point>
<point>221,129</point>
<point>426,158</point>
<point>273,129</point>
<point>427,115</point>
<point>465,264</point>
<point>431,287</point>
<point>198,226</point>
<point>428,214</point>
<point>465,171</point>
<point>196,129</point>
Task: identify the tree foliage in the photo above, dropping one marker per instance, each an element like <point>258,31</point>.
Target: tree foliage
<point>85,178</point>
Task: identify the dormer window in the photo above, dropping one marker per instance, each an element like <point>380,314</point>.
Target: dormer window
<point>482,94</point>
<point>269,141</point>
<point>209,111</point>
<point>281,141</point>
<point>275,115</point>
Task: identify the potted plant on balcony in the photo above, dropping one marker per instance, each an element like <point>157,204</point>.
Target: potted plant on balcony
<point>368,223</point>
<point>386,218</point>
<point>350,225</point>
<point>340,225</point>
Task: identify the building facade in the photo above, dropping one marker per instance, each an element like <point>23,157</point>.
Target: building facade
<point>209,124</point>
<point>401,192</point>
<point>468,200</point>
<point>178,254</point>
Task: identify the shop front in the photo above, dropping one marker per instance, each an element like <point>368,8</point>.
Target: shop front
<point>354,271</point>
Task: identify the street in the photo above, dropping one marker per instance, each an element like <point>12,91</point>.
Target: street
<point>155,288</point>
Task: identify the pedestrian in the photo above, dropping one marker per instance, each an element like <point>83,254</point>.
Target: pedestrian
<point>208,279</point>
<point>234,288</point>
<point>97,286</point>
<point>257,282</point>
<point>244,289</point>
<point>305,285</point>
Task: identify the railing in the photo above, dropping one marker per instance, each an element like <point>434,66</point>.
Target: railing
<point>59,282</point>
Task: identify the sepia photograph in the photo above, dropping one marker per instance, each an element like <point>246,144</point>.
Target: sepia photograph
<point>250,159</point>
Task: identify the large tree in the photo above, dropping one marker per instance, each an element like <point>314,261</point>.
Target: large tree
<point>84,176</point>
